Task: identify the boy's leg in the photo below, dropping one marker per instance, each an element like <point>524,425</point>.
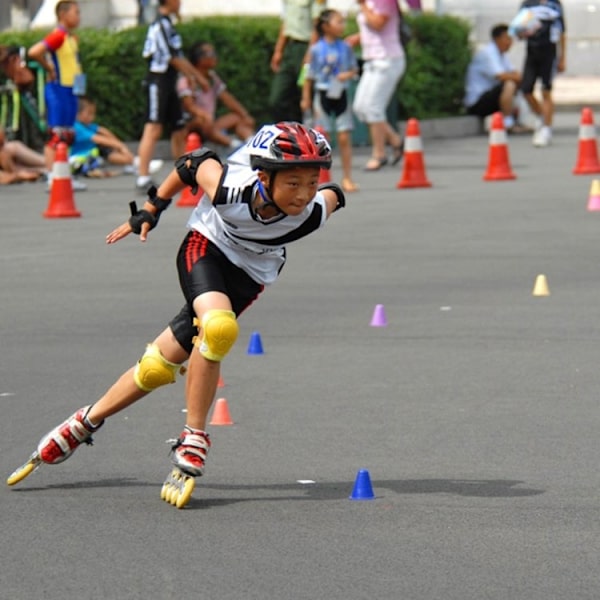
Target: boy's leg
<point>151,134</point>
<point>125,391</point>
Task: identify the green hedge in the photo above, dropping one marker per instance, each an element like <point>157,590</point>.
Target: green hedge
<point>433,85</point>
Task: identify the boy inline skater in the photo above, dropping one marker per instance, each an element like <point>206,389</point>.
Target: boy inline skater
<point>267,197</point>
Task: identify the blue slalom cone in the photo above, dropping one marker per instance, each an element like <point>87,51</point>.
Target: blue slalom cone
<point>255,345</point>
<point>363,490</point>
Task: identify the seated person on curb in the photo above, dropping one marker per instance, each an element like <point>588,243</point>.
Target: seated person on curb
<point>18,162</point>
<point>201,106</point>
<point>492,82</point>
<point>94,145</point>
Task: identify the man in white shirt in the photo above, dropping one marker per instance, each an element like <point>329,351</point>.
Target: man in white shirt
<point>492,82</point>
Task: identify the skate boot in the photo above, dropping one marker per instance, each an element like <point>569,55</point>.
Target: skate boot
<point>57,445</point>
<point>188,455</point>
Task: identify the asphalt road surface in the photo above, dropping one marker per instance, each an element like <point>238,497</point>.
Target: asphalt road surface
<point>474,411</point>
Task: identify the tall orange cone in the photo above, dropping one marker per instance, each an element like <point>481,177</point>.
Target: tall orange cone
<point>498,163</point>
<point>413,171</point>
<point>325,174</point>
<point>587,158</point>
<point>61,202</point>
<point>192,142</point>
<point>221,414</point>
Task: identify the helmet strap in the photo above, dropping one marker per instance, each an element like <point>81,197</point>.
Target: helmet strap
<point>265,193</point>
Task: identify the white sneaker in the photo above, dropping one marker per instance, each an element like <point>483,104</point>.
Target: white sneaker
<point>78,186</point>
<point>154,166</point>
<point>542,137</point>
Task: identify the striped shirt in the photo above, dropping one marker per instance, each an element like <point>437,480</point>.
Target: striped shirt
<point>161,45</point>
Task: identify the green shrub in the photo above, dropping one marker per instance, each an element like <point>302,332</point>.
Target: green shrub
<point>438,57</point>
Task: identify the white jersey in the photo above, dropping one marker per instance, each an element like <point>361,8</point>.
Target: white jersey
<point>249,242</point>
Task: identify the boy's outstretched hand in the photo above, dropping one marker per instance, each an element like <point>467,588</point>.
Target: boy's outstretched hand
<point>141,221</point>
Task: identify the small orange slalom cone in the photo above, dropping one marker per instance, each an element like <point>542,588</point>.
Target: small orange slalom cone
<point>498,162</point>
<point>220,383</point>
<point>61,202</point>
<point>192,142</point>
<point>413,171</point>
<point>221,414</point>
<point>587,157</point>
<point>594,198</point>
<point>324,175</point>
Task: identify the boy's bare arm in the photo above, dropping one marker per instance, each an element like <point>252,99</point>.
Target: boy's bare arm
<point>38,53</point>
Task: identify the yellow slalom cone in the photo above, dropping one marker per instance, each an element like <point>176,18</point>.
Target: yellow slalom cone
<point>594,198</point>
<point>541,286</point>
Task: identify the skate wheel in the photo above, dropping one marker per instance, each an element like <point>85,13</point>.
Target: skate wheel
<point>185,493</point>
<point>177,489</point>
<point>164,491</point>
<point>22,472</point>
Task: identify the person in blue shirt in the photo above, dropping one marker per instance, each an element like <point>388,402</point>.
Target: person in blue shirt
<point>94,145</point>
<point>492,82</point>
<point>325,89</point>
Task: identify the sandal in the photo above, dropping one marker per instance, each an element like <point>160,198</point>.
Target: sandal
<point>374,164</point>
<point>398,153</point>
<point>349,186</point>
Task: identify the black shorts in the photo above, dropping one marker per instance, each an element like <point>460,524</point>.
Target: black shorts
<point>202,267</point>
<point>488,103</point>
<point>163,104</point>
<point>540,63</point>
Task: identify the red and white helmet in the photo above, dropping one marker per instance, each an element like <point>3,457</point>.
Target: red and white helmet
<point>288,144</point>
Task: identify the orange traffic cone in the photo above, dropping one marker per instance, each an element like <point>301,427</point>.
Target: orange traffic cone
<point>192,142</point>
<point>325,174</point>
<point>413,172</point>
<point>499,163</point>
<point>61,201</point>
<point>220,383</point>
<point>221,414</point>
<point>587,159</point>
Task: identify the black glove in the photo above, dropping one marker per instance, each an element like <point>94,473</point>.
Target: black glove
<point>141,216</point>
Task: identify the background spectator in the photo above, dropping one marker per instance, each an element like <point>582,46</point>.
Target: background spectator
<point>18,162</point>
<point>384,64</point>
<point>95,145</point>
<point>492,82</point>
<point>201,105</point>
<point>332,64</point>
<point>163,51</point>
<point>296,33</point>
<point>58,54</point>
<point>546,54</point>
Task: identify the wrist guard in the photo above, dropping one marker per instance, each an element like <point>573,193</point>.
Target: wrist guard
<point>141,216</point>
<point>341,199</point>
<point>159,203</point>
<point>187,165</point>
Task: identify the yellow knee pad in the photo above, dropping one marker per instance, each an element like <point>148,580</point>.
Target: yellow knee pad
<point>154,370</point>
<point>219,331</point>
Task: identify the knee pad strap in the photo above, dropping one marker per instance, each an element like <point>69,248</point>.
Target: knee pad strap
<point>219,330</point>
<point>154,370</point>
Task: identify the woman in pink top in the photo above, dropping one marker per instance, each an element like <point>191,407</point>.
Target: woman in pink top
<point>384,64</point>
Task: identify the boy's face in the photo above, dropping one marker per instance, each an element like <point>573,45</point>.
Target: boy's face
<point>293,189</point>
<point>337,24</point>
<point>87,114</point>
<point>72,16</point>
<point>208,59</point>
